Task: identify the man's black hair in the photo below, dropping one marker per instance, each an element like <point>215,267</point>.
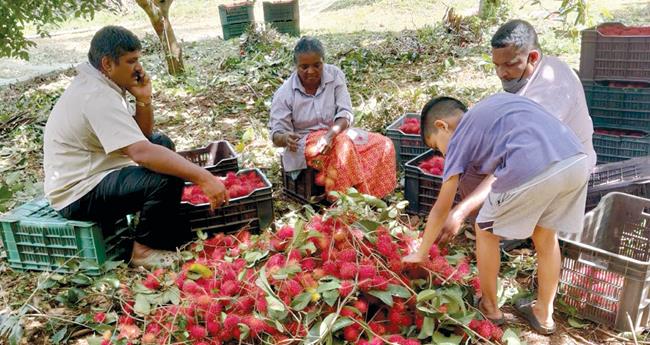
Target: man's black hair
<point>517,33</point>
<point>308,44</point>
<point>112,41</point>
<point>436,109</point>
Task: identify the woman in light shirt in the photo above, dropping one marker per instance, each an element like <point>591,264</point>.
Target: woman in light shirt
<point>310,110</point>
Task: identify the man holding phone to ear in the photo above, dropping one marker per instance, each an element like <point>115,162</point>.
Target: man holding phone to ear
<point>103,161</point>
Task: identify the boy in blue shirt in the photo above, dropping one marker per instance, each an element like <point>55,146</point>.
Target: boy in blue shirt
<point>536,186</point>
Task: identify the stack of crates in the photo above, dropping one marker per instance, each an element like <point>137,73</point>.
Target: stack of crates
<point>615,73</point>
<point>236,18</point>
<point>283,15</point>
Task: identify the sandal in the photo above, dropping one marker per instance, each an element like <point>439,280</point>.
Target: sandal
<point>525,308</point>
<point>155,259</point>
<point>497,322</point>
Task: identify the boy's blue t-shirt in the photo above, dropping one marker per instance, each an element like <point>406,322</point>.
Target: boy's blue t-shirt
<point>511,137</point>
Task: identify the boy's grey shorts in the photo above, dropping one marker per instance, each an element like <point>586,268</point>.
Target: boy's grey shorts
<point>554,200</point>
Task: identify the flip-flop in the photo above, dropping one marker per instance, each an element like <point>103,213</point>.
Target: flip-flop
<point>498,322</point>
<point>155,259</point>
<point>525,308</point>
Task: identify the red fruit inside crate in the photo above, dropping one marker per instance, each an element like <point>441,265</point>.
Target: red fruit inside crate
<point>619,84</point>
<point>621,30</point>
<point>411,126</point>
<point>237,185</point>
<point>629,133</point>
<point>434,165</point>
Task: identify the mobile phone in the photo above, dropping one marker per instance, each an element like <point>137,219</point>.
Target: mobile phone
<point>138,76</point>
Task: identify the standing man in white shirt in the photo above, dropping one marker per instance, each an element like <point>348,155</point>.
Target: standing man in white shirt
<point>547,80</point>
<point>103,161</point>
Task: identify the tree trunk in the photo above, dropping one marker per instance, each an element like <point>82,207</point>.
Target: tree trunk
<point>158,12</point>
<point>488,8</point>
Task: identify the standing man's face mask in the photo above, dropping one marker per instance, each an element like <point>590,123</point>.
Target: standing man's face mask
<point>514,85</point>
<point>514,67</point>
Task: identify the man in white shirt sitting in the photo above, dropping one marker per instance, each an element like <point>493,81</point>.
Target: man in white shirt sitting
<point>547,80</point>
<point>102,160</point>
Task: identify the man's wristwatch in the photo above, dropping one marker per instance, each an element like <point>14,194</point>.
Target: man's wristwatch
<point>143,104</point>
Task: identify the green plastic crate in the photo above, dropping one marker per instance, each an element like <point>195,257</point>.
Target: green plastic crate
<point>234,30</point>
<point>236,13</point>
<point>614,107</point>
<point>291,27</point>
<point>613,148</point>
<point>36,237</point>
<point>281,11</point>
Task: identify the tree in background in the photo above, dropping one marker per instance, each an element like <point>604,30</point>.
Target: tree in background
<point>158,12</point>
<point>17,15</point>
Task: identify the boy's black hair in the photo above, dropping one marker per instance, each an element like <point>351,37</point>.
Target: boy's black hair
<point>517,33</point>
<point>112,41</point>
<point>438,108</point>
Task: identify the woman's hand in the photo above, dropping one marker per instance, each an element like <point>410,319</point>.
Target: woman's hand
<point>324,144</point>
<point>290,141</point>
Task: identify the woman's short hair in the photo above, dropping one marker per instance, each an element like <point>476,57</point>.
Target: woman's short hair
<point>306,45</point>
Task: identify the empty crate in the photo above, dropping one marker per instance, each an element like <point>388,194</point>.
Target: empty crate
<point>218,157</point>
<point>631,176</point>
<point>36,237</point>
<point>236,18</point>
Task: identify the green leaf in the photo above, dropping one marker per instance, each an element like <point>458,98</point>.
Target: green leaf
<point>426,295</point>
<point>341,323</point>
<point>333,285</point>
<point>252,257</point>
<point>577,323</point>
<point>16,334</point>
<point>399,291</point>
<point>94,340</point>
<point>301,301</point>
<point>511,338</point>
<point>142,306</point>
<point>172,295</point>
<point>367,225</point>
<point>111,265</point>
<point>330,297</point>
<point>456,258</point>
<point>59,335</point>
<point>384,296</point>
<point>326,325</point>
<point>81,280</point>
<point>427,328</point>
<point>439,339</point>
<point>47,284</point>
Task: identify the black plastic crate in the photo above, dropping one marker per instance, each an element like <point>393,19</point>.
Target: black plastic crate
<point>254,211</point>
<point>236,13</point>
<point>614,148</point>
<point>290,27</point>
<point>631,176</point>
<point>303,189</point>
<point>234,30</point>
<point>407,146</point>
<point>218,157</point>
<point>605,270</point>
<point>279,11</point>
<point>622,58</point>
<point>421,188</point>
<point>618,107</point>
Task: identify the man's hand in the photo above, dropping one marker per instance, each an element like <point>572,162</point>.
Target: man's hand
<point>451,228</point>
<point>324,144</point>
<point>214,189</point>
<point>142,90</point>
<point>290,141</point>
